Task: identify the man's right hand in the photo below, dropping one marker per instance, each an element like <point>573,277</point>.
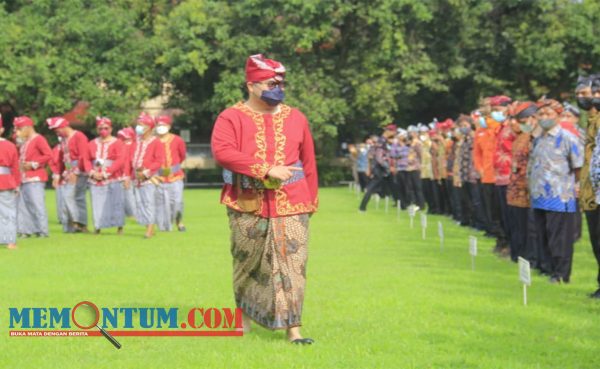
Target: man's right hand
<point>55,183</point>
<point>282,172</point>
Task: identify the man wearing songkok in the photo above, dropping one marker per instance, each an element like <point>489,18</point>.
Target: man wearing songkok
<point>73,155</point>
<point>10,179</point>
<point>270,175</point>
<point>484,151</point>
<point>522,121</point>
<point>170,199</point>
<point>588,92</point>
<point>554,165</point>
<point>34,155</point>
<point>107,156</point>
<point>127,136</point>
<point>147,159</point>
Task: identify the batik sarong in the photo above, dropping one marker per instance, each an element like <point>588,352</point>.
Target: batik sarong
<point>108,209</point>
<point>32,217</point>
<point>269,267</point>
<point>8,217</point>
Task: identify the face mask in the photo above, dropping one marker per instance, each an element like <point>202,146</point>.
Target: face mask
<point>162,130</point>
<point>449,135</point>
<point>423,137</point>
<point>273,97</point>
<point>20,140</point>
<point>546,124</point>
<point>525,127</point>
<point>465,130</point>
<point>104,133</point>
<point>482,122</point>
<point>596,103</point>
<point>584,103</point>
<point>498,116</point>
<point>139,130</point>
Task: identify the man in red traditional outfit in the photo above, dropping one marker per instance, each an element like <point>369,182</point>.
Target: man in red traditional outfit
<point>108,157</point>
<point>73,155</point>
<point>147,159</point>
<point>34,155</point>
<point>127,136</point>
<point>10,179</point>
<point>270,175</point>
<point>170,203</point>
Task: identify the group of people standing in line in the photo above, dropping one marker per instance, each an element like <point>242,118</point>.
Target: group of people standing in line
<point>136,173</point>
<point>520,171</point>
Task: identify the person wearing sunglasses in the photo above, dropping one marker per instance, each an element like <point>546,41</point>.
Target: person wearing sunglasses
<point>107,155</point>
<point>270,189</point>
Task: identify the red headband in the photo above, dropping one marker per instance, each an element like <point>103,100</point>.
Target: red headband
<point>23,121</point>
<point>57,122</point>
<point>258,68</point>
<point>164,119</point>
<point>146,120</point>
<point>103,121</point>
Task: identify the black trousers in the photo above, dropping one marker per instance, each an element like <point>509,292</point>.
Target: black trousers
<point>432,196</point>
<point>519,223</point>
<point>504,212</point>
<point>415,189</point>
<point>441,190</point>
<point>491,207</point>
<point>593,222</point>
<point>362,181</point>
<point>378,184</point>
<point>555,230</point>
<point>473,214</point>
<point>454,198</point>
<point>400,183</point>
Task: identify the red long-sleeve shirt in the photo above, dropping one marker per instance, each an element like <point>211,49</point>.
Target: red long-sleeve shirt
<point>175,152</point>
<point>37,152</point>
<point>74,149</point>
<point>100,152</point>
<point>129,150</point>
<point>9,161</point>
<point>250,143</point>
<point>148,157</point>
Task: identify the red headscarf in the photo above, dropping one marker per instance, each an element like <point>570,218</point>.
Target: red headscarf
<point>146,120</point>
<point>126,133</point>
<point>258,68</point>
<point>23,121</point>
<point>57,122</point>
<point>103,121</point>
<point>553,104</point>
<point>164,119</point>
<point>500,100</point>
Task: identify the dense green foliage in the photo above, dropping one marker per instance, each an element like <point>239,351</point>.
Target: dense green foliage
<point>353,65</point>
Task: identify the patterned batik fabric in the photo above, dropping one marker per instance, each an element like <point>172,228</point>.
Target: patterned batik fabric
<point>595,170</point>
<point>555,156</point>
<point>586,192</point>
<point>269,267</point>
<point>517,192</point>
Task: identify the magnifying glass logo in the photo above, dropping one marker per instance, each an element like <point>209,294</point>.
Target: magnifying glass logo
<point>93,306</point>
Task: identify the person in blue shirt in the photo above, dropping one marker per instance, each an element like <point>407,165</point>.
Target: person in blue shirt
<point>553,171</point>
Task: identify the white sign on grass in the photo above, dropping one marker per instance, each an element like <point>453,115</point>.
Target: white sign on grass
<point>441,234</point>
<point>473,245</point>
<point>423,225</point>
<point>411,213</point>
<point>524,271</point>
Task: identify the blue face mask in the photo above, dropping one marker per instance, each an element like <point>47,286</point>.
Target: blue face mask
<point>482,122</point>
<point>465,130</point>
<point>547,124</point>
<point>273,97</point>
<point>526,127</point>
<point>498,116</point>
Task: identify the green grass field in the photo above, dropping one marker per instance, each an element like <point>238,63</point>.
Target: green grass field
<point>378,296</point>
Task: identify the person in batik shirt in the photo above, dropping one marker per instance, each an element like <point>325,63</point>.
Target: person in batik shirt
<point>556,159</point>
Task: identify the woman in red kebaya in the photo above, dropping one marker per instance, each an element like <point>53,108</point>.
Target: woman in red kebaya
<point>10,179</point>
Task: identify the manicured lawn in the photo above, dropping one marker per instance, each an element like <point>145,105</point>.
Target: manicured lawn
<point>378,296</point>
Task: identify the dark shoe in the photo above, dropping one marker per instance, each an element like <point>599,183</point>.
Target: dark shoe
<point>595,295</point>
<point>181,228</point>
<point>303,341</point>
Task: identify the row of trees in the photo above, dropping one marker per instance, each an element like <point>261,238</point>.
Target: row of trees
<point>353,65</point>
